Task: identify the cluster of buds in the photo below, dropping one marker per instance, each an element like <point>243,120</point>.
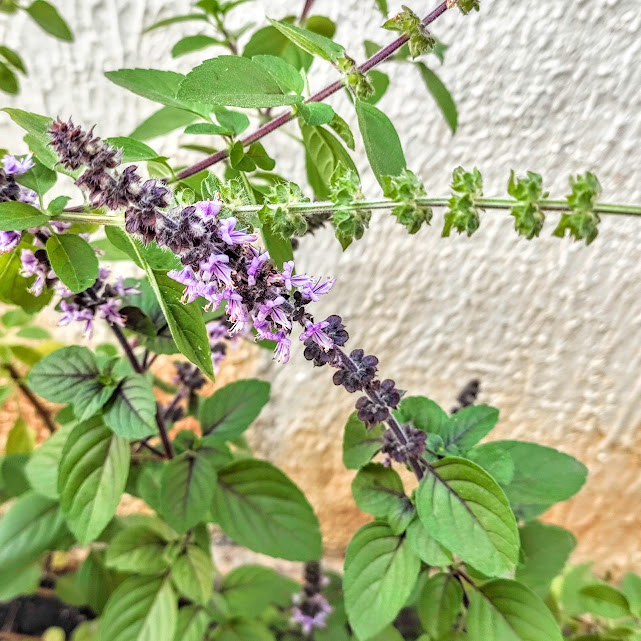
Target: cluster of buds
<point>311,608</point>
<point>467,396</point>
<point>101,300</point>
<point>189,380</point>
<point>221,265</point>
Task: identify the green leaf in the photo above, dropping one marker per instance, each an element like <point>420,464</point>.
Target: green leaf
<point>343,130</point>
<point>131,411</point>
<point>209,129</point>
<point>156,257</point>
<point>192,624</point>
<point>382,144</point>
<point>32,525</point>
<point>142,608</point>
<point>13,58</point>
<point>286,75</point>
<point>606,601</point>
<point>47,17</point>
<point>71,375</point>
<point>13,480</point>
<point>249,589</point>
<point>234,81</point>
<point>279,249</point>
<point>545,551</point>
<point>238,630</point>
<point>39,178</point>
<point>360,445</point>
<point>494,460</point>
<point>572,601</point>
<point>254,496</point>
<point>17,216</point>
<point>324,154</point>
<point>423,414</point>
<point>156,85</point>
<point>193,574</point>
<point>8,80</point>
<point>185,321</point>
<point>440,604</point>
<point>139,549</point>
<point>428,549</point>
<point>469,425</point>
<point>440,94</point>
<point>187,489</point>
<point>542,475</point>
<point>92,478</point>
<point>380,572</point>
<point>506,610</point>
<point>234,120</point>
<point>380,82</point>
<point>270,41</point>
<point>233,408</point>
<point>379,491</point>
<point>465,510</point>
<point>193,43</point>
<point>174,20</point>
<point>21,438</point>
<point>42,468</point>
<point>23,580</point>
<point>316,113</point>
<point>74,261</point>
<point>631,585</point>
<point>132,150</point>
<point>162,122</point>
<point>314,43</point>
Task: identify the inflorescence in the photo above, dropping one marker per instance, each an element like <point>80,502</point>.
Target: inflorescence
<point>311,608</point>
<point>221,265</point>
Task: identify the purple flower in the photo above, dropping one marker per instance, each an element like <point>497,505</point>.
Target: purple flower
<point>72,313</point>
<point>9,241</point>
<point>263,329</point>
<point>121,290</point>
<point>316,333</point>
<point>281,353</point>
<point>233,236</point>
<point>208,208</point>
<point>209,291</point>
<point>216,266</point>
<point>31,266</point>
<point>109,311</point>
<point>27,195</point>
<point>301,280</point>
<point>216,331</point>
<point>14,166</point>
<point>255,266</point>
<point>59,227</point>
<point>314,291</point>
<point>273,309</point>
<point>235,309</point>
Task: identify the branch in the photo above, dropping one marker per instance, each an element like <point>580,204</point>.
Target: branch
<point>41,410</point>
<point>124,343</point>
<point>325,207</point>
<point>279,121</point>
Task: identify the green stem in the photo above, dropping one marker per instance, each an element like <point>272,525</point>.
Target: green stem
<point>384,203</point>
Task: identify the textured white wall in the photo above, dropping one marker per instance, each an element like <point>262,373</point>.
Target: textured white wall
<point>552,328</point>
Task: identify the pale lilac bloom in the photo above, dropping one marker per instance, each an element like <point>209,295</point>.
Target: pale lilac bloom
<point>27,195</point>
<point>72,313</point>
<point>216,266</point>
<point>235,308</point>
<point>299,280</point>
<point>185,276</point>
<point>62,290</point>
<point>310,622</point>
<point>216,331</point>
<point>9,241</point>
<point>14,166</point>
<point>103,273</point>
<point>31,266</point>
<point>192,292</point>
<point>314,291</point>
<point>255,266</point>
<point>208,208</point>
<point>263,329</point>
<point>281,353</point>
<point>217,357</point>
<point>59,226</point>
<point>86,237</point>
<point>39,232</point>
<point>272,309</point>
<point>234,236</point>
<point>122,290</point>
<point>109,311</point>
<point>316,333</point>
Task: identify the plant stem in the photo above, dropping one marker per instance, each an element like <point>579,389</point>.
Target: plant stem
<point>129,352</point>
<point>306,9</point>
<point>325,207</point>
<point>31,397</point>
<point>279,121</point>
<point>164,436</point>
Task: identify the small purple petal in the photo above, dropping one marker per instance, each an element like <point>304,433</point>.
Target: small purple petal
<point>14,166</point>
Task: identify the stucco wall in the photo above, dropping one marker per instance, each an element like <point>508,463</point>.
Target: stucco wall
<point>550,327</point>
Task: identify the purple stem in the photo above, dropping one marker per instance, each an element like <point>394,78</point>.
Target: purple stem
<point>279,121</point>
